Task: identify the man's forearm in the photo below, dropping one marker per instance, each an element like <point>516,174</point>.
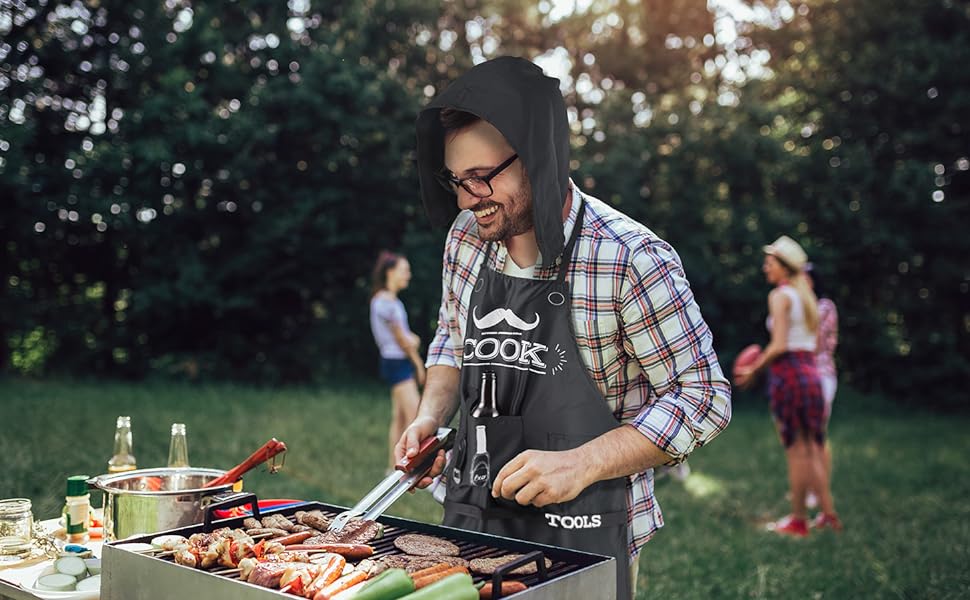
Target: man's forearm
<point>619,452</point>
<point>440,399</point>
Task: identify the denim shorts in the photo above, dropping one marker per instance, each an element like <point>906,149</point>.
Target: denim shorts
<point>396,370</point>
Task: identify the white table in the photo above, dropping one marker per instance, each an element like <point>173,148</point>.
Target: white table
<point>12,577</point>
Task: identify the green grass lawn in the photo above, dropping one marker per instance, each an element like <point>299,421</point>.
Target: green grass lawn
<point>902,483</point>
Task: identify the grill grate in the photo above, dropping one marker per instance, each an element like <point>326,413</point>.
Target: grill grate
<point>471,545</point>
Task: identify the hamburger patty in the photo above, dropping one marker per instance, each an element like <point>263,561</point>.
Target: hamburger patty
<point>425,545</point>
<point>416,563</point>
<point>488,566</point>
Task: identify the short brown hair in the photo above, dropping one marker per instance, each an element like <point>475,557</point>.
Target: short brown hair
<point>453,120</point>
<point>386,261</point>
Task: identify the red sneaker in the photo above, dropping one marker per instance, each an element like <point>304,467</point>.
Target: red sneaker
<point>822,520</point>
<point>789,525</point>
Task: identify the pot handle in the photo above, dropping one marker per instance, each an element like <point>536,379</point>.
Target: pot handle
<point>230,502</point>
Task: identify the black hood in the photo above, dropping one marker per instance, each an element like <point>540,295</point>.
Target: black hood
<point>527,107</point>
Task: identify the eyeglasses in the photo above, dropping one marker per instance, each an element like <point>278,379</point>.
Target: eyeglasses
<point>477,186</point>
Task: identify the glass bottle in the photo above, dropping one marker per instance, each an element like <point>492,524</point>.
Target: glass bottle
<point>178,448</point>
<point>77,509</point>
<point>123,460</point>
<point>480,466</point>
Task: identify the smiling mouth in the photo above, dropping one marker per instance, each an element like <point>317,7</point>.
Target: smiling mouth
<point>484,212</point>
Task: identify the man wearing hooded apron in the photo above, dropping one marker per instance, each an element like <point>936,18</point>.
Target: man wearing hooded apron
<point>568,342</point>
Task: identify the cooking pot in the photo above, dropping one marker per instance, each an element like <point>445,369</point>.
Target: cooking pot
<point>150,500</point>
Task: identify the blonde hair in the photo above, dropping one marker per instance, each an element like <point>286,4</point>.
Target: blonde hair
<point>799,281</point>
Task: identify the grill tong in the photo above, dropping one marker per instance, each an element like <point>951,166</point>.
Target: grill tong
<point>405,475</point>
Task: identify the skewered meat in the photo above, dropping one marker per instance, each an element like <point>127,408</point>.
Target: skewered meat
<point>425,545</point>
<point>247,565</point>
<point>268,574</point>
<point>251,523</point>
<point>223,546</point>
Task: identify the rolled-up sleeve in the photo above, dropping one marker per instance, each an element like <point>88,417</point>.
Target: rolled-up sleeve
<point>664,330</point>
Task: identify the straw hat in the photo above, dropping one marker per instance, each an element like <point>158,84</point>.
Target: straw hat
<point>788,251</point>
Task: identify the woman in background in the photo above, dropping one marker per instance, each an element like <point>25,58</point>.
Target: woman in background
<point>401,365</point>
<point>827,340</point>
<point>794,384</point>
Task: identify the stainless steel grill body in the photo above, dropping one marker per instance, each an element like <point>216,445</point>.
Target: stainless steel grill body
<point>127,575</point>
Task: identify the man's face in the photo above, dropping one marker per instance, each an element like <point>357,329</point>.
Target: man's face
<point>476,150</point>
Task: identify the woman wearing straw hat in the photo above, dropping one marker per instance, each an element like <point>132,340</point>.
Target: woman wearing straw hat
<point>794,384</point>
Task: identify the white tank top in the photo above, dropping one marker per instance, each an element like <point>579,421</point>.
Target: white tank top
<point>799,337</point>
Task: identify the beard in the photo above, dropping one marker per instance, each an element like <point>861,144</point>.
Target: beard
<point>513,218</point>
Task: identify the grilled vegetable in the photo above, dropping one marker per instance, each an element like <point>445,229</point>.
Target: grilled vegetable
<point>454,587</point>
<point>389,585</point>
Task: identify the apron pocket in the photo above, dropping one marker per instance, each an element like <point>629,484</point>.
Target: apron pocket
<point>503,441</point>
<point>598,505</point>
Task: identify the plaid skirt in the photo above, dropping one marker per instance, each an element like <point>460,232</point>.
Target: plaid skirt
<point>797,404</point>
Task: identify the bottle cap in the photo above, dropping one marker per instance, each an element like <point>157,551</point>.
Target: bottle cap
<point>77,485</point>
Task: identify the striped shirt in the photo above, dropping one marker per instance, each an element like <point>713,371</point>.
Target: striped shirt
<point>639,331</point>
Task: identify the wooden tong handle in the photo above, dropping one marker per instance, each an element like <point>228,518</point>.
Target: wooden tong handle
<point>429,446</point>
<point>268,451</point>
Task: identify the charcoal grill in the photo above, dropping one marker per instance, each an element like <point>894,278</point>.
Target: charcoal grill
<point>128,575</point>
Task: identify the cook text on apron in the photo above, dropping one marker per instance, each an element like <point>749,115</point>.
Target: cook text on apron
<point>524,386</point>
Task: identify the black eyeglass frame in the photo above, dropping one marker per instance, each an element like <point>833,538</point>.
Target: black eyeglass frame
<point>448,180</point>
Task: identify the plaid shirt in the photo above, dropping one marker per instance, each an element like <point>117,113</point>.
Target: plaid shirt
<point>639,331</point>
<point>828,337</point>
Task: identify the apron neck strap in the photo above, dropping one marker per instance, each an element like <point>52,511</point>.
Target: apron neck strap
<point>567,251</point>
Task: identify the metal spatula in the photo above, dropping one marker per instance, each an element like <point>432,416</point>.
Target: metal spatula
<point>406,474</point>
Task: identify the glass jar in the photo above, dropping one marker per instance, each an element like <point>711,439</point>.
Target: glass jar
<point>16,526</point>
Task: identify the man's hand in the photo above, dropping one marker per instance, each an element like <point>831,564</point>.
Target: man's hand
<point>407,446</point>
<point>539,478</point>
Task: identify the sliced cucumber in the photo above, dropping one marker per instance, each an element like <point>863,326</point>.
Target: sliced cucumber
<point>90,584</point>
<point>93,565</point>
<point>57,582</point>
<point>71,565</point>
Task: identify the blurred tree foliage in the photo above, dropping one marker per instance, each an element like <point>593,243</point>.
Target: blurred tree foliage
<point>202,187</point>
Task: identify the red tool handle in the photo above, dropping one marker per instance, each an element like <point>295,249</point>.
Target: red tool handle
<point>268,451</point>
<point>428,446</point>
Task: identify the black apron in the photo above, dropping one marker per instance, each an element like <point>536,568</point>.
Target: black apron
<point>524,386</point>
